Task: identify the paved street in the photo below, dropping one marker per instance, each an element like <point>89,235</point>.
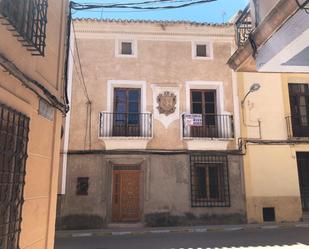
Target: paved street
<point>292,238</point>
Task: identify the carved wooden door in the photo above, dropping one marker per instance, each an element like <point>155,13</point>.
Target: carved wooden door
<point>126,200</point>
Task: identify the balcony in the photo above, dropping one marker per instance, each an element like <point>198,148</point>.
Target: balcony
<point>27,19</point>
<point>297,126</point>
<point>208,126</point>
<point>243,27</point>
<point>119,125</point>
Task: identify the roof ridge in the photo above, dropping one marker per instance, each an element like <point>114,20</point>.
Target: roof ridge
<point>226,24</point>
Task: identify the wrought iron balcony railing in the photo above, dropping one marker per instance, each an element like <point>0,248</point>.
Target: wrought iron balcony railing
<point>209,126</point>
<point>243,26</point>
<point>125,125</point>
<point>297,126</point>
<point>28,19</point>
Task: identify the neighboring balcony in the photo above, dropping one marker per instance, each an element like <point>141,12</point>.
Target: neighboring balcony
<point>297,126</point>
<point>120,125</point>
<point>243,27</point>
<point>199,126</point>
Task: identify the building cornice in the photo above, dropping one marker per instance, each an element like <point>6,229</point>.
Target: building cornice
<point>151,29</point>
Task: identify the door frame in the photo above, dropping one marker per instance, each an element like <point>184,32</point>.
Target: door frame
<point>119,213</point>
<point>136,162</point>
<point>305,208</point>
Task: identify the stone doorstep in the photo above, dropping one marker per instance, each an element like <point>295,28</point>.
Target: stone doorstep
<point>220,228</point>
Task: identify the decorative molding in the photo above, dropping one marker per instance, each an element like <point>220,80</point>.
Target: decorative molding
<point>166,103</point>
<point>166,120</point>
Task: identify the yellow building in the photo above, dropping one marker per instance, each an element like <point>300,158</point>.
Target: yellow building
<point>32,52</point>
<point>274,135</point>
<point>274,118</point>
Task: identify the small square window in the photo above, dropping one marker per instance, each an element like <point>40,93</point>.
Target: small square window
<point>126,48</point>
<point>201,50</point>
<point>82,185</point>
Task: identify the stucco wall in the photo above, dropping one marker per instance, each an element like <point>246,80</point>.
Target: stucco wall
<point>165,188</point>
<point>40,191</point>
<point>271,174</point>
<point>164,59</point>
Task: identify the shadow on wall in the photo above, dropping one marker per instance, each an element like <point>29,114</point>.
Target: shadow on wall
<point>80,222</point>
<point>189,219</point>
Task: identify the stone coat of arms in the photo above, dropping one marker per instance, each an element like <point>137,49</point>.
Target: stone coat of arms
<point>167,103</point>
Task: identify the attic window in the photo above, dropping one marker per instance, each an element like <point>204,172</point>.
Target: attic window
<point>126,48</point>
<point>201,50</point>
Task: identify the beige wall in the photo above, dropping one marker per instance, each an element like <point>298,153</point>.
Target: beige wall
<point>164,59</point>
<point>40,191</point>
<point>171,171</point>
<point>271,175</point>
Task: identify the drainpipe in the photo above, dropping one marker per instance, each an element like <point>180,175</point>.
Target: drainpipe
<point>68,116</point>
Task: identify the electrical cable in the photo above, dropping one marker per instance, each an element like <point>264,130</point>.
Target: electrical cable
<point>77,6</point>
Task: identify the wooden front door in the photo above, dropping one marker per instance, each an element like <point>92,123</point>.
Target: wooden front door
<point>126,196</point>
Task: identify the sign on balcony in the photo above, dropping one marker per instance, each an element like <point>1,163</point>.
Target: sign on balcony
<point>193,120</point>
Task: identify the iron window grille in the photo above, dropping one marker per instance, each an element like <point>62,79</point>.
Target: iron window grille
<point>82,186</point>
<point>209,181</point>
<point>14,129</point>
<point>28,19</point>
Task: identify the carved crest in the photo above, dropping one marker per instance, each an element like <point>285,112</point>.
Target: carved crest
<point>167,103</point>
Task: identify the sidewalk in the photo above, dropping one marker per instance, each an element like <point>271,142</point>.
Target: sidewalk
<point>193,229</point>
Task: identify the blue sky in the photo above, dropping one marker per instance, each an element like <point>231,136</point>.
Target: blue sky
<point>214,12</point>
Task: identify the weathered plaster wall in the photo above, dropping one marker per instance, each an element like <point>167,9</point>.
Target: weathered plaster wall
<point>165,189</point>
<point>40,191</point>
<point>164,59</point>
<point>271,175</point>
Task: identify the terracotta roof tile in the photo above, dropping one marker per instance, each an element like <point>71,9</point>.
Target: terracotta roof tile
<point>154,22</point>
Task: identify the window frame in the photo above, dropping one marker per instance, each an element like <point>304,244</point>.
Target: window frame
<point>79,191</point>
<point>209,50</point>
<point>197,161</point>
<point>118,48</point>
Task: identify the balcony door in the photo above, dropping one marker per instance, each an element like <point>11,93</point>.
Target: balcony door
<point>204,102</point>
<point>299,102</point>
<point>126,116</point>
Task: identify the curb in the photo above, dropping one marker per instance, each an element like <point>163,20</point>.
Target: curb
<point>178,230</point>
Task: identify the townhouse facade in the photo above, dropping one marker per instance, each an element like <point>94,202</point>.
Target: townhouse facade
<point>32,105</point>
<point>274,135</point>
<point>272,54</point>
<point>154,126</point>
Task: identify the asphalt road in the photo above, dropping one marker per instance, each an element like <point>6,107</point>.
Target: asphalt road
<point>292,238</point>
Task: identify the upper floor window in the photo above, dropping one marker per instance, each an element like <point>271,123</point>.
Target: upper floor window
<point>126,48</point>
<point>127,116</point>
<point>28,18</point>
<point>299,104</point>
<point>202,50</point>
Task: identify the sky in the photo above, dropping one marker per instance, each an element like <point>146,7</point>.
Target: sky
<point>213,12</point>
